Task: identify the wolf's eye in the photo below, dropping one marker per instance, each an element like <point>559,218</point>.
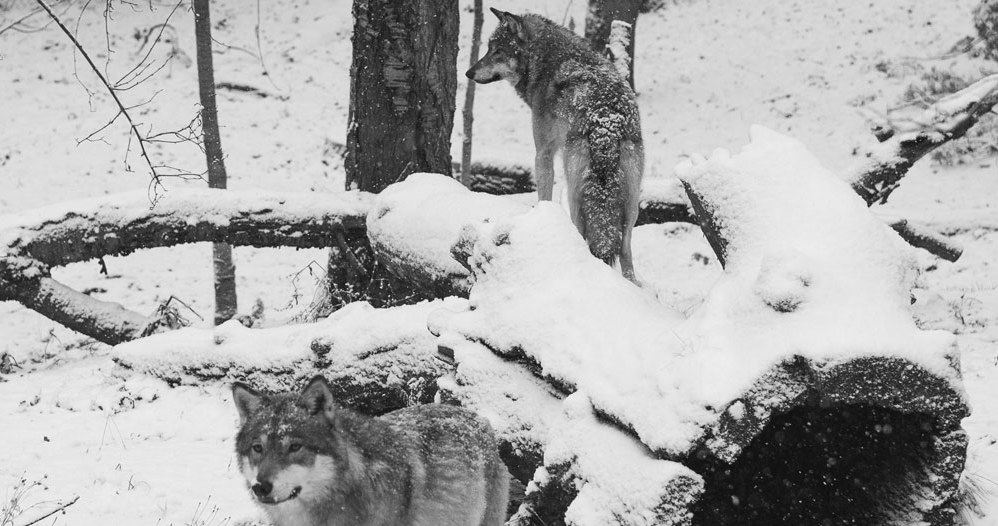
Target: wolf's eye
<point>294,447</point>
<point>257,448</point>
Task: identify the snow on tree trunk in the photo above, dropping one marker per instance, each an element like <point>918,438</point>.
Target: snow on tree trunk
<point>31,242</point>
<point>599,19</point>
<point>403,85</point>
<point>620,49</point>
<point>224,269</point>
<point>808,329</point>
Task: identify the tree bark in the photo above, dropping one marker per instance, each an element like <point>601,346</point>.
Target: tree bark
<point>403,84</point>
<point>224,269</point>
<point>469,99</point>
<point>599,19</point>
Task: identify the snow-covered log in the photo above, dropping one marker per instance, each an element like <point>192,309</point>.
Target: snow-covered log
<point>579,469</point>
<point>908,139</point>
<point>31,242</point>
<point>377,360</point>
<point>122,223</point>
<point>808,329</point>
<point>413,224</point>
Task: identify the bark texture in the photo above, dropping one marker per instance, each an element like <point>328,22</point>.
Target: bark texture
<point>403,84</point>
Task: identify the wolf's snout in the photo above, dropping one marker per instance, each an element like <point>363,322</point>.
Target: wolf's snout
<point>470,73</point>
<point>262,489</point>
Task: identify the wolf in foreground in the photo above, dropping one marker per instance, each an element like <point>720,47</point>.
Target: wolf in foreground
<point>581,106</point>
<point>310,462</point>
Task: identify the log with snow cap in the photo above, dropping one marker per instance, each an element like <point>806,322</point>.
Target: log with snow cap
<point>808,328</point>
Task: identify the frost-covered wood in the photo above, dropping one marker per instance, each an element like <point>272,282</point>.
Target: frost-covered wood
<point>808,328</point>
<point>377,360</point>
<point>908,139</point>
<point>33,241</point>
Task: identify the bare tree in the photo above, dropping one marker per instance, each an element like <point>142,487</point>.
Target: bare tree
<point>469,98</point>
<point>225,270</point>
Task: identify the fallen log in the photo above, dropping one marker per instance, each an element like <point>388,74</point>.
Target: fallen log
<point>808,329</point>
<point>377,360</point>
<point>32,242</point>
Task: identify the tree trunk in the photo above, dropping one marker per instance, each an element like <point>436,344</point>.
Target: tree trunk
<point>469,99</point>
<point>599,18</point>
<point>403,84</point>
<point>225,270</point>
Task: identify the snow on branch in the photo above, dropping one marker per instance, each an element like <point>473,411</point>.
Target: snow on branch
<point>909,138</point>
<point>122,223</point>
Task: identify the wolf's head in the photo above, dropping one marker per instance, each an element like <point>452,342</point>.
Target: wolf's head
<point>507,51</point>
<point>286,444</point>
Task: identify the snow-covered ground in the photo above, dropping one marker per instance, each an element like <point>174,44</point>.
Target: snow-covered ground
<point>138,452</point>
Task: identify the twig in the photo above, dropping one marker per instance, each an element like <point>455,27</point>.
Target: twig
<point>122,110</point>
<point>61,507</point>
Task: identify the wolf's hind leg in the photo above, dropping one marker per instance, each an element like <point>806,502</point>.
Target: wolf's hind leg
<point>496,494</point>
<point>631,166</point>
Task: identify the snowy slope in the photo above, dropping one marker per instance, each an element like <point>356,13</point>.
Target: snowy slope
<point>138,452</point>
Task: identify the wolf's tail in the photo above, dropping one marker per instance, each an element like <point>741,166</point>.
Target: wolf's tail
<point>602,200</point>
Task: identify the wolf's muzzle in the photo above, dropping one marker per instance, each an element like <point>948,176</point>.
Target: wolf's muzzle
<point>262,489</point>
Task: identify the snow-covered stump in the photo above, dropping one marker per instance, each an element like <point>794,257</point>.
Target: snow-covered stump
<point>808,330</point>
<point>377,360</point>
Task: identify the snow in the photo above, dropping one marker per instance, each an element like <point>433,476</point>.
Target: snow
<point>698,89</point>
<point>620,482</point>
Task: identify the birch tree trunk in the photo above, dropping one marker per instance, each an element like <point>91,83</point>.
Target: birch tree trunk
<point>225,270</point>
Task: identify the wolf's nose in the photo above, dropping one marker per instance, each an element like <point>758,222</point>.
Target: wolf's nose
<point>469,74</point>
<point>262,489</point>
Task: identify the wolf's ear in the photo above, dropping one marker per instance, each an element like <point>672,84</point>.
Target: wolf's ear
<point>518,26</point>
<point>317,396</point>
<point>247,400</point>
<point>514,22</point>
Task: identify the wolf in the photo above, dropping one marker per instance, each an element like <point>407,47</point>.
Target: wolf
<point>580,106</point>
<point>310,462</point>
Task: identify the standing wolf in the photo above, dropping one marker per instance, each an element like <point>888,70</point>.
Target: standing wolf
<point>580,105</point>
<point>310,462</point>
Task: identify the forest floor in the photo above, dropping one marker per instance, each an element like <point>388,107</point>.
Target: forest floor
<point>136,451</point>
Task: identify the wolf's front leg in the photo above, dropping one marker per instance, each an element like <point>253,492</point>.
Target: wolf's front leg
<point>544,173</point>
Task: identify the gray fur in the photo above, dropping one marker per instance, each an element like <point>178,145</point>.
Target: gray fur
<point>432,465</point>
<point>581,106</point>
